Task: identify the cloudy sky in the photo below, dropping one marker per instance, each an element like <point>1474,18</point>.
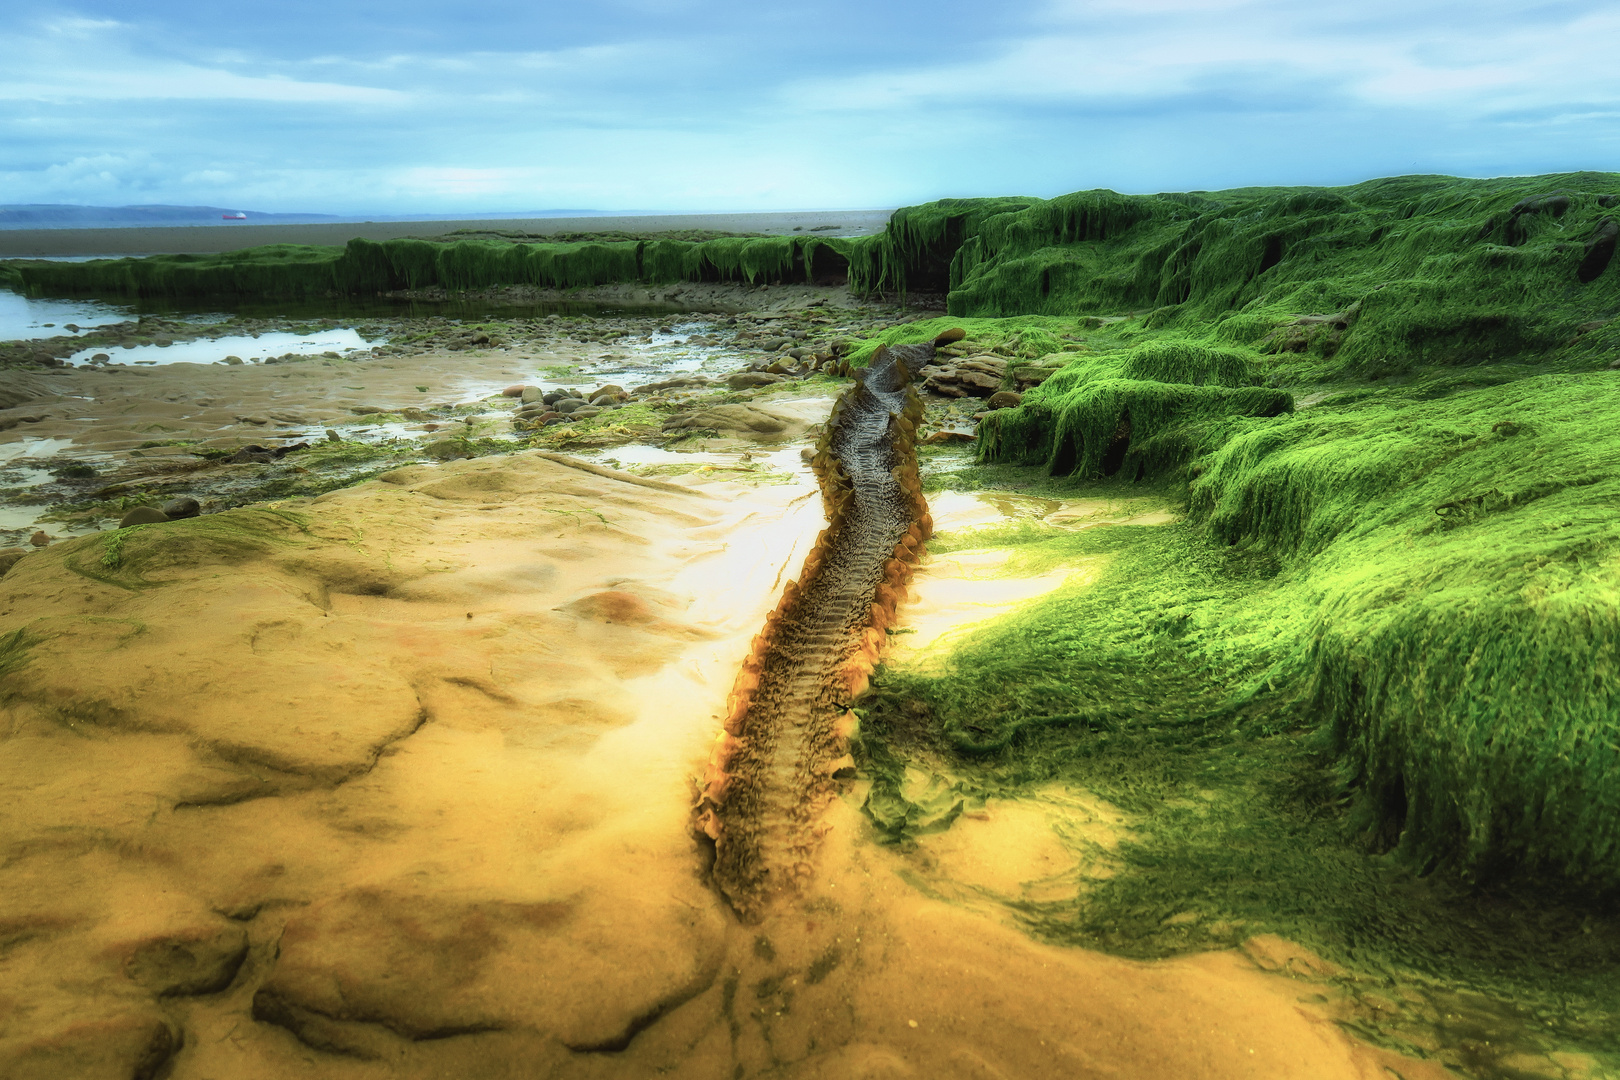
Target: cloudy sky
<point>356,106</point>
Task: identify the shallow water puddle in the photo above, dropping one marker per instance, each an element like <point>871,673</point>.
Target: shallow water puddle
<point>248,348</point>
<point>23,318</point>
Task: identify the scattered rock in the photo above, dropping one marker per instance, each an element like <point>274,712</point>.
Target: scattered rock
<point>570,404</point>
<point>672,384</point>
<point>40,538</point>
<point>233,360</point>
<point>514,391</point>
<point>183,507</point>
<point>1005,399</point>
<point>585,411</point>
<point>530,394</point>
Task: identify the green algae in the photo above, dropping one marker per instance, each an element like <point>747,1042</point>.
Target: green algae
<point>136,557</point>
<point>1170,685</point>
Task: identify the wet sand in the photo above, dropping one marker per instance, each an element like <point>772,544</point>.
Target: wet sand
<point>403,789</point>
<point>206,239</point>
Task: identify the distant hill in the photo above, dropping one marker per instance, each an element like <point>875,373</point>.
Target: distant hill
<point>69,216</point>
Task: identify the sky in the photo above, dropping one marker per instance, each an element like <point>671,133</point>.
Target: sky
<point>410,106</point>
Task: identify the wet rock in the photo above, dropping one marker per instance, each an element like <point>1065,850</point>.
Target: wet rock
<point>41,538</point>
<point>142,515</point>
<point>1005,399</point>
<point>183,507</point>
<point>747,380</point>
<point>601,401</point>
<point>570,405</point>
<point>977,376</point>
<point>531,394</point>
<point>102,358</point>
<point>368,410</point>
<point>333,436</point>
<point>610,388</point>
<point>514,391</point>
<point>233,360</point>
<point>263,455</point>
<point>585,411</point>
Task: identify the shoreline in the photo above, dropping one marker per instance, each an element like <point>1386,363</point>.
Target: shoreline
<point>212,239</point>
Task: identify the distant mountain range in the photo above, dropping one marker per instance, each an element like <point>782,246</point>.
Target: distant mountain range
<point>69,216</point>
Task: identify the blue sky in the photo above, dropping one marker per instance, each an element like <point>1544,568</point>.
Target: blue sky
<point>407,106</point>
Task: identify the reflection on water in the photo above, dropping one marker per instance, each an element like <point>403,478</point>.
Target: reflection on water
<point>242,346</point>
<point>24,318</point>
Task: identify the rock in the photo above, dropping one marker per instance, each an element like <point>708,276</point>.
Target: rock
<point>672,384</point>
<point>40,538</point>
<point>514,391</point>
<point>771,344</point>
<point>782,367</point>
<point>368,410</point>
<point>531,394</point>
<point>610,388</point>
<point>746,380</point>
<point>9,557</point>
<point>102,358</point>
<point>448,450</point>
<point>333,436</point>
<point>605,400</point>
<point>551,397</point>
<point>183,507</point>
<point>199,960</point>
<point>585,411</point>
<point>233,360</point>
<point>742,418</point>
<point>142,515</point>
<point>948,436</point>
<point>1614,365</point>
<point>570,405</point>
<point>1005,399</point>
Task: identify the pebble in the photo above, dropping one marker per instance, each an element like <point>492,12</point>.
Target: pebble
<point>142,515</point>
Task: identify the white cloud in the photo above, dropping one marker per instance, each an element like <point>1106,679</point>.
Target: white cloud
<point>77,59</point>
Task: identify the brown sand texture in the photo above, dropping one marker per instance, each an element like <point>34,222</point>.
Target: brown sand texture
<point>398,782</point>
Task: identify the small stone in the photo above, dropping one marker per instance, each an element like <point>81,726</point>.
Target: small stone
<point>514,391</point>
<point>100,358</point>
<point>142,515</point>
<point>530,394</point>
<point>40,538</point>
<point>610,388</point>
<point>584,411</point>
<point>570,405</point>
<point>183,507</point>
<point>333,436</point>
<point>233,359</point>
<point>1005,399</point>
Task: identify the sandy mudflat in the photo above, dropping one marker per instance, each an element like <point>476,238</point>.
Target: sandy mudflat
<point>203,239</point>
<point>396,783</point>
